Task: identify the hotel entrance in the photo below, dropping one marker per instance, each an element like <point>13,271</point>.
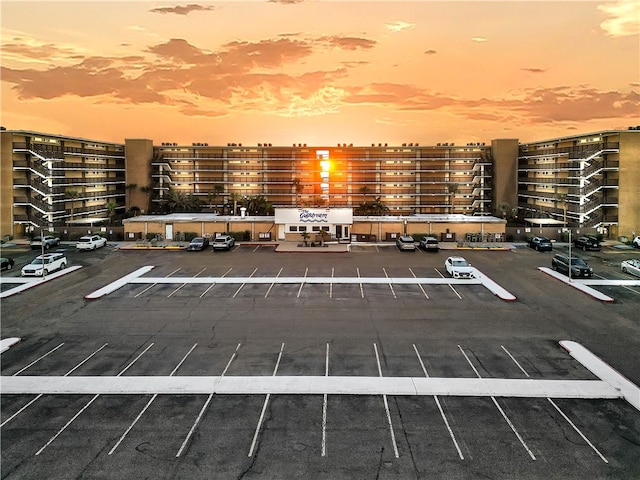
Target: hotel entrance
<point>295,223</point>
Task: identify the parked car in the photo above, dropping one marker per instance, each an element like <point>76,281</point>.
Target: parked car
<point>579,267</point>
<point>6,263</point>
<point>48,240</point>
<point>430,244</point>
<point>91,242</point>
<point>198,243</point>
<point>223,242</point>
<point>458,267</point>
<point>587,243</point>
<point>631,266</point>
<point>636,242</point>
<point>540,244</point>
<point>405,242</point>
<point>49,262</point>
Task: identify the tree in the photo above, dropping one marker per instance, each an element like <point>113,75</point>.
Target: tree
<point>235,198</point>
<point>73,195</point>
<point>298,188</point>
<point>147,189</point>
<point>305,237</point>
<point>129,188</point>
<point>504,208</point>
<point>111,207</point>
<point>365,190</point>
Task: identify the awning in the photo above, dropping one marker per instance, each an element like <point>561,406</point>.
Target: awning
<point>544,221</point>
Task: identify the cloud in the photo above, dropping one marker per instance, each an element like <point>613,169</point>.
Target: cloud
<point>624,18</point>
<point>286,2</point>
<point>479,39</point>
<point>348,43</point>
<point>182,9</point>
<point>534,69</point>
<point>430,52</point>
<point>400,26</point>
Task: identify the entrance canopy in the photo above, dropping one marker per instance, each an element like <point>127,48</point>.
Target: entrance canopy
<point>544,221</point>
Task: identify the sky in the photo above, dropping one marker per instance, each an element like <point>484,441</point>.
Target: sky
<point>319,72</point>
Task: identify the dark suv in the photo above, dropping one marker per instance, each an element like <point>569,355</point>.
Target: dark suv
<point>579,267</point>
<point>540,244</point>
<point>587,243</point>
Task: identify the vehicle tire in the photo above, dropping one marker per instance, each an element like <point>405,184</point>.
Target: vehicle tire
<point>9,267</point>
<point>537,249</point>
<point>62,265</point>
<point>94,247</point>
<point>624,269</point>
<point>46,246</point>
<point>554,267</point>
<point>584,248</point>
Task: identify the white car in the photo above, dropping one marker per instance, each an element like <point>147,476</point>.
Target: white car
<point>44,264</point>
<point>636,242</point>
<point>223,242</point>
<point>458,267</point>
<point>91,242</point>
<point>631,266</point>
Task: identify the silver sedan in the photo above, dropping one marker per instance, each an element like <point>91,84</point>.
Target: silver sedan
<point>631,266</point>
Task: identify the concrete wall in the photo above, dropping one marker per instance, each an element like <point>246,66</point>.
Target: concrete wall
<point>629,184</point>
<point>139,153</point>
<point>6,183</point>
<point>505,174</point>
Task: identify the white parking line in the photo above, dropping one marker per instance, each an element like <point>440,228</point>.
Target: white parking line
<point>240,287</point>
<point>52,439</point>
<point>390,285</point>
<point>144,409</point>
<point>214,284</point>
<point>386,407</point>
<point>306,270</point>
<point>331,285</point>
<point>204,407</point>
<point>38,359</point>
<point>264,407</point>
<point>271,286</point>
<point>26,283</point>
<point>559,410</point>
<point>182,286</point>
<point>504,415</point>
<point>437,400</point>
<point>41,394</point>
<point>154,284</point>
<point>324,407</point>
<point>361,289</point>
<point>414,276</point>
<point>450,286</point>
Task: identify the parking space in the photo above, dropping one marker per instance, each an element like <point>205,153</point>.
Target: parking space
<point>256,329</point>
<point>407,431</point>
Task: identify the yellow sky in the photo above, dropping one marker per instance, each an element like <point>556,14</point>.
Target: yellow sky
<point>319,72</point>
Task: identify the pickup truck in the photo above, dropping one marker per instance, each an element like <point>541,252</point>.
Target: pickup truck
<point>47,240</point>
<point>44,264</point>
<point>91,242</point>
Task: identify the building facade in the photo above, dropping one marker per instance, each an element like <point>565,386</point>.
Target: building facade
<point>49,181</point>
<point>583,181</point>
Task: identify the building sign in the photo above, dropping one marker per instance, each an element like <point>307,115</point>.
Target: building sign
<point>313,216</point>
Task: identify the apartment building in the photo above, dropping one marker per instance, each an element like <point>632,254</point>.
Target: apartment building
<point>408,179</point>
<point>583,181</point>
<point>49,181</point>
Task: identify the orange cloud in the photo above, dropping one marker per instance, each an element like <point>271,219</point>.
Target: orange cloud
<point>182,9</point>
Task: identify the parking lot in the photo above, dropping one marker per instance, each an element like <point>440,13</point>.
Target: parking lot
<point>328,329</point>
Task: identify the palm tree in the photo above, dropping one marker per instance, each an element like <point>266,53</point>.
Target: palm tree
<point>298,187</point>
<point>305,237</point>
<point>73,195</point>
<point>235,198</point>
<point>147,189</point>
<point>129,188</point>
<point>111,207</point>
<point>504,208</point>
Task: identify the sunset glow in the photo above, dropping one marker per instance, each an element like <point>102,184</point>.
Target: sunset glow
<point>318,72</point>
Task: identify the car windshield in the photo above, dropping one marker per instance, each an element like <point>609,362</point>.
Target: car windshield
<point>578,261</point>
<point>197,240</point>
<point>37,261</point>
<point>460,263</point>
<point>37,239</point>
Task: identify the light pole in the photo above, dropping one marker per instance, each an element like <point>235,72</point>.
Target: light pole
<point>569,255</point>
<point>44,270</point>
